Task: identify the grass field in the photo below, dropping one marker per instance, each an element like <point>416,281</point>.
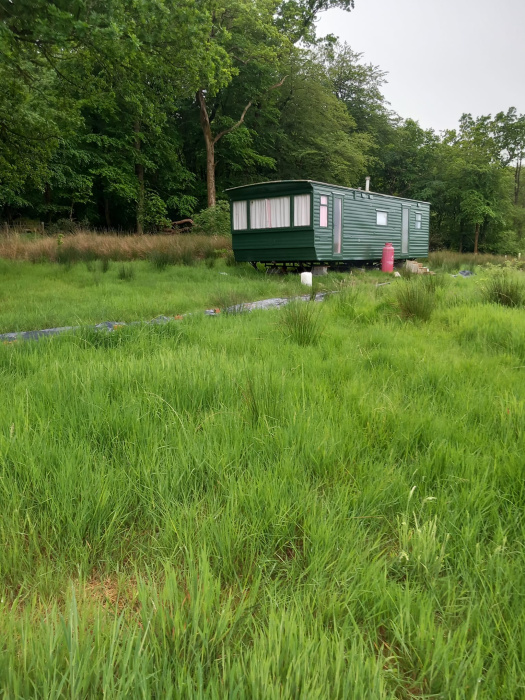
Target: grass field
<point>325,501</point>
<point>47,295</point>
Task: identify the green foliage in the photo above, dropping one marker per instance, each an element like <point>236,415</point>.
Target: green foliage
<point>155,212</point>
<point>214,221</point>
<point>103,119</point>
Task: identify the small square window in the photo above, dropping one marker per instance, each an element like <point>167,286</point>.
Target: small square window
<point>382,218</point>
<point>419,218</point>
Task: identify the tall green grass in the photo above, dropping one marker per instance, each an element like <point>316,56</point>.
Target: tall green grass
<point>301,322</point>
<point>205,509</point>
<point>46,295</point>
<point>415,298</point>
<point>506,288</point>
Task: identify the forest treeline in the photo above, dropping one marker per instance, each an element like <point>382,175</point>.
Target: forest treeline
<point>128,115</point>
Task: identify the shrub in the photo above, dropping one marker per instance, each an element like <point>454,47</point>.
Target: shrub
<point>301,322</point>
<point>155,212</point>
<point>214,221</point>
<point>62,226</point>
<point>504,288</point>
<point>229,259</point>
<point>414,300</point>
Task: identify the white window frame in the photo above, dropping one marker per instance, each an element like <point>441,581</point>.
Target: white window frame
<point>381,212</point>
<point>419,220</point>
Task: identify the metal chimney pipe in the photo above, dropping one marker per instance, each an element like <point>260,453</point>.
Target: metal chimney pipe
<point>367,187</point>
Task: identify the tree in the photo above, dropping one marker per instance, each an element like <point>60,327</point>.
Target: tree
<point>252,37</point>
<point>317,138</point>
<point>358,86</point>
<point>509,135</point>
<point>115,62</point>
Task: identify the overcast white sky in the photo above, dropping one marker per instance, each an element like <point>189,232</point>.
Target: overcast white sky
<point>443,57</point>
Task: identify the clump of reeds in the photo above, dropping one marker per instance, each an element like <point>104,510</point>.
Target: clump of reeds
<point>504,288</point>
<point>126,273</point>
<point>414,300</point>
<point>301,322</point>
<point>346,300</point>
<point>434,282</point>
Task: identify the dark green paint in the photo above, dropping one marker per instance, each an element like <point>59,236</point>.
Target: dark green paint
<point>362,238</point>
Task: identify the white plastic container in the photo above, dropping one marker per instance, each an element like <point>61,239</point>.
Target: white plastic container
<point>306,278</point>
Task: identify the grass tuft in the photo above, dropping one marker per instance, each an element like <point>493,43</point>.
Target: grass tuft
<point>301,322</point>
<point>414,300</point>
<point>126,273</point>
<point>504,288</point>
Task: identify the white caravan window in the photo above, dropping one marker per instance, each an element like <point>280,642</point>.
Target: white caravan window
<point>279,212</point>
<point>270,213</point>
<point>240,216</point>
<point>419,218</point>
<point>323,212</point>
<point>301,210</point>
<point>382,218</point>
<point>258,214</point>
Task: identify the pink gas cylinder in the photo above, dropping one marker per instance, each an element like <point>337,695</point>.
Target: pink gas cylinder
<point>387,261</point>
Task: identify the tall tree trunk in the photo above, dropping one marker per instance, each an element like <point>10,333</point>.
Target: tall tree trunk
<point>476,240</point>
<point>210,148</point>
<point>106,212</point>
<point>48,198</point>
<point>139,171</point>
<point>517,177</point>
<point>211,140</point>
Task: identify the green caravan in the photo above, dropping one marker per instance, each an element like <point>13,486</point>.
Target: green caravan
<point>307,223</point>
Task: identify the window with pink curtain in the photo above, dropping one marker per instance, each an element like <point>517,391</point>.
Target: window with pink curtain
<point>323,212</point>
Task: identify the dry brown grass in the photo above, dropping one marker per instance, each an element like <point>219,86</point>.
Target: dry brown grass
<point>92,246</point>
<point>110,593</point>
